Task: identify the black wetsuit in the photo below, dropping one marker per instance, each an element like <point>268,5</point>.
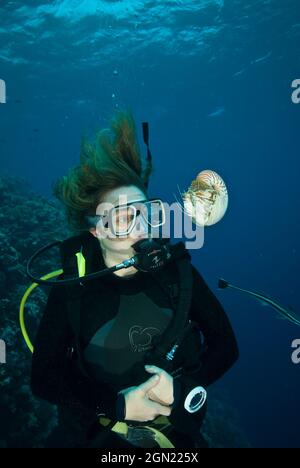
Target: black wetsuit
<point>119,317</point>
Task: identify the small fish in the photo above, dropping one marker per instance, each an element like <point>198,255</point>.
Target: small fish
<point>217,112</point>
<point>285,313</point>
<point>261,59</point>
<point>240,72</point>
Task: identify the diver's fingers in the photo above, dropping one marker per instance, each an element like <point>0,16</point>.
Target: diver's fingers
<point>163,410</point>
<point>150,383</point>
<point>152,396</point>
<point>154,369</point>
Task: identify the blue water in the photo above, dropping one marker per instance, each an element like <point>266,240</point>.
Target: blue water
<point>213,78</point>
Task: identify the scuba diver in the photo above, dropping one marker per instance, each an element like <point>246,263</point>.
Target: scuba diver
<point>127,356</point>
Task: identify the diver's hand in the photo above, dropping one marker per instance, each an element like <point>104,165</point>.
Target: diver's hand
<point>163,393</point>
<point>138,407</point>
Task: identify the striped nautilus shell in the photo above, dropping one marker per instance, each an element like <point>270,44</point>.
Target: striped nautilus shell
<point>206,200</point>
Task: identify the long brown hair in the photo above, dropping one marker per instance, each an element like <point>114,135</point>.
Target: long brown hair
<point>106,164</point>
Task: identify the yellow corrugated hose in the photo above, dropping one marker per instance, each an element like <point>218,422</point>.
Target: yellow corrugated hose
<point>23,302</point>
<point>160,438</point>
<point>81,266</point>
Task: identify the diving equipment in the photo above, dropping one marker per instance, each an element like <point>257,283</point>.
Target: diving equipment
<point>151,255</point>
<point>121,219</point>
<point>195,399</point>
<point>286,313</point>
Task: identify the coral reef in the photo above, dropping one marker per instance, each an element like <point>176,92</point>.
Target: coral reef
<point>27,222</point>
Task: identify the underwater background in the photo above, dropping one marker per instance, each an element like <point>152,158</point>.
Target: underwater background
<point>213,79</point>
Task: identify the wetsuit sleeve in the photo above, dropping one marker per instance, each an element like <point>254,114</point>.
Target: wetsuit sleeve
<point>53,377</point>
<point>221,350</point>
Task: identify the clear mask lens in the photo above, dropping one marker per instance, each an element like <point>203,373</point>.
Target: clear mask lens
<point>154,213</point>
<point>123,218</point>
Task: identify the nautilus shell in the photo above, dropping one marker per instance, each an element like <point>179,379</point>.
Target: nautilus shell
<point>206,200</point>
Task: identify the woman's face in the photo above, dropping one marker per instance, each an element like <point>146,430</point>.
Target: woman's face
<point>122,243</point>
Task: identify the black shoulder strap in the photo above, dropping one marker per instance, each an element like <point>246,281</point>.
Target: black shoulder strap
<point>68,250</point>
<point>179,326</point>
